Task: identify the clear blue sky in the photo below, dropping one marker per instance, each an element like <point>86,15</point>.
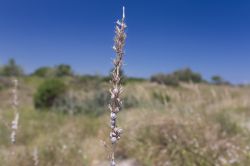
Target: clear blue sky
<point>210,36</point>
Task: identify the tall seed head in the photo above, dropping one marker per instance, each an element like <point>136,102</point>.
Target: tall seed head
<point>116,90</point>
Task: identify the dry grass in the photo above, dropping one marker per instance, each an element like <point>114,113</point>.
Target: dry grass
<point>194,125</point>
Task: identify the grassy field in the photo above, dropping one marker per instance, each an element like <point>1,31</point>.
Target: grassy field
<point>188,125</point>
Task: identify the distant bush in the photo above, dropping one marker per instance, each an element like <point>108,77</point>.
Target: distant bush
<point>12,69</point>
<point>187,75</point>
<point>97,104</point>
<point>173,79</point>
<point>68,103</point>
<point>134,80</point>
<point>87,82</point>
<point>48,92</point>
<point>94,104</point>
<point>158,78</point>
<point>170,80</point>
<point>71,103</point>
<point>43,72</point>
<point>218,80</point>
<point>63,70</point>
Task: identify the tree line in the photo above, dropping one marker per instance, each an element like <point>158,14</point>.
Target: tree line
<point>62,70</point>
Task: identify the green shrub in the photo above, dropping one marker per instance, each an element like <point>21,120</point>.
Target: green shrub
<point>93,105</point>
<point>170,80</point>
<point>87,82</point>
<point>158,78</point>
<point>187,75</point>
<point>63,70</point>
<point>43,72</point>
<point>173,79</point>
<point>48,92</point>
<point>71,103</point>
<point>12,69</point>
<point>135,80</point>
<point>218,80</point>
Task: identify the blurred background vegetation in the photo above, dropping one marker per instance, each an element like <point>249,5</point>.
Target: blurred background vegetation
<point>175,119</point>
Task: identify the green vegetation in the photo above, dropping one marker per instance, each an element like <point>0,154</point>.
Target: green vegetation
<point>63,70</point>
<point>48,93</point>
<point>43,72</point>
<point>173,79</point>
<point>170,80</point>
<point>218,80</point>
<point>11,69</point>
<point>189,124</point>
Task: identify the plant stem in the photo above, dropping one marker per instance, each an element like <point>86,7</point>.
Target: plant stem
<point>116,90</point>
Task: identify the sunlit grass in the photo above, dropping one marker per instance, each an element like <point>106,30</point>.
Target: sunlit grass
<point>193,123</point>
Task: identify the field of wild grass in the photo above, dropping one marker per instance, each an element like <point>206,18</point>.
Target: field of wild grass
<point>187,125</point>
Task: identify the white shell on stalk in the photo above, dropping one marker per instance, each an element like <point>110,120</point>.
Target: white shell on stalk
<point>13,137</point>
<point>112,122</point>
<point>113,115</point>
<point>113,140</point>
<point>113,134</point>
<point>115,91</point>
<point>119,131</point>
<point>112,163</point>
<point>117,109</point>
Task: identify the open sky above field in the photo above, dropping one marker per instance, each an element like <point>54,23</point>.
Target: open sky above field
<point>210,36</point>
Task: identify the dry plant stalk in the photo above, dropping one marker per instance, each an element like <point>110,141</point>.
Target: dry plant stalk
<point>35,157</point>
<point>14,103</point>
<point>115,104</point>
